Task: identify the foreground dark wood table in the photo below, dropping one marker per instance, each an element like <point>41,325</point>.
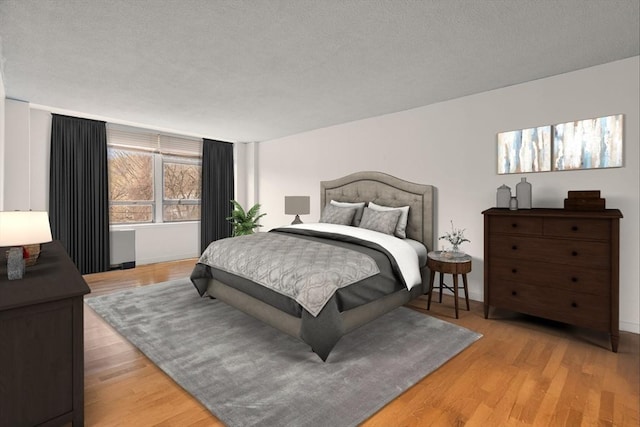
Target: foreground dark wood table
<point>41,342</point>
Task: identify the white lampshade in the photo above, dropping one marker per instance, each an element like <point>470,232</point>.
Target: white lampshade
<point>19,228</point>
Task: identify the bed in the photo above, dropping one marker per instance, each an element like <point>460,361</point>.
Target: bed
<point>348,307</point>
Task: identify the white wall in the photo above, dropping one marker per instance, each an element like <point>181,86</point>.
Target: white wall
<point>16,154</point>
<point>452,145</point>
<point>165,242</point>
<point>26,157</point>
<point>40,149</point>
<point>245,177</point>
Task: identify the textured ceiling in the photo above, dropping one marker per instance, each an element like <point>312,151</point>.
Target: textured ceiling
<point>254,70</point>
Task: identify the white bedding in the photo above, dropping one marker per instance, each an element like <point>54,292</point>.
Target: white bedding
<point>404,254</point>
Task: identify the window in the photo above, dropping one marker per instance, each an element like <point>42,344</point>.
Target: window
<point>130,186</point>
<point>181,189</point>
<point>152,178</point>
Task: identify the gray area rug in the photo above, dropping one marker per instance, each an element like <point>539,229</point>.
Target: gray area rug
<point>247,373</point>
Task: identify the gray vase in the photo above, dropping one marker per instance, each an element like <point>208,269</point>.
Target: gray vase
<point>503,195</point>
<point>523,194</point>
<point>513,204</point>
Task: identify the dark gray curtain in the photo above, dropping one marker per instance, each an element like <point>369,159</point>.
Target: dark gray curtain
<point>79,191</point>
<point>217,191</point>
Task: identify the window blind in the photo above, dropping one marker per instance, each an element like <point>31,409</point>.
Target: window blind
<point>143,139</point>
<point>179,145</point>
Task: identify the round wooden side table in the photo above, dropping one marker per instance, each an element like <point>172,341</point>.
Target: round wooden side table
<point>446,263</point>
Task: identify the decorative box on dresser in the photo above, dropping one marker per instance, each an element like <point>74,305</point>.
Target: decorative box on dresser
<point>41,342</point>
<point>557,264</point>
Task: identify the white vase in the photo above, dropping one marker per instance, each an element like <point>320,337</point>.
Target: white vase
<point>523,194</point>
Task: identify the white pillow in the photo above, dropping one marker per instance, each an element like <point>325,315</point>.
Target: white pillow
<point>401,227</point>
<point>359,206</point>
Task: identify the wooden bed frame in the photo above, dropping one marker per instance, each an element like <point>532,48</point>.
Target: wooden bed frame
<point>376,187</point>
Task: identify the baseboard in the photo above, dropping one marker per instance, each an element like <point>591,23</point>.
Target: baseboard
<point>475,296</point>
<point>630,327</point>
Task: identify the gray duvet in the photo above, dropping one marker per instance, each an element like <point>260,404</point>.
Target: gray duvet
<point>306,271</point>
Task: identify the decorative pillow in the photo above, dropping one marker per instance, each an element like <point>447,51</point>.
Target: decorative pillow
<point>382,221</point>
<point>332,214</point>
<point>401,227</point>
<point>359,206</point>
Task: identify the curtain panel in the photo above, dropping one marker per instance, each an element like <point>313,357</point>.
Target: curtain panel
<point>79,191</point>
<point>217,191</point>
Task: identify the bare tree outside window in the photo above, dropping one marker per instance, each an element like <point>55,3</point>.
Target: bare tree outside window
<point>130,186</point>
<point>181,188</point>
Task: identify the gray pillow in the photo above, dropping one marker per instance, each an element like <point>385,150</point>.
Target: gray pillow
<point>401,226</point>
<point>332,214</point>
<point>382,221</point>
<point>358,205</point>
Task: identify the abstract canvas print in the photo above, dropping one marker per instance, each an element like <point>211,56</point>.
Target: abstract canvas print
<point>588,144</point>
<point>525,150</point>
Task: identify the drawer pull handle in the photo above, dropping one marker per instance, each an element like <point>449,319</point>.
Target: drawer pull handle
<point>574,228</point>
<point>574,253</point>
<point>574,279</point>
<point>514,247</point>
<point>514,270</point>
<point>574,305</point>
<point>514,293</point>
<point>514,225</point>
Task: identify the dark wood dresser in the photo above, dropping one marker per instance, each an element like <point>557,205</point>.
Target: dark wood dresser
<point>557,264</point>
<point>41,342</point>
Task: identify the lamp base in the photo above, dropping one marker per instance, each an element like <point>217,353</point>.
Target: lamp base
<point>34,253</point>
<point>15,264</point>
<point>297,220</point>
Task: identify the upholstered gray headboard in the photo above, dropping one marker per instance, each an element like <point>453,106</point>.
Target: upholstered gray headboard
<point>387,190</point>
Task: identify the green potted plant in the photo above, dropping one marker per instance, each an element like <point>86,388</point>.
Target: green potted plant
<point>244,222</point>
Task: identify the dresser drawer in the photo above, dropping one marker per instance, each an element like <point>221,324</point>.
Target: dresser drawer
<point>515,225</point>
<point>575,228</point>
<point>591,254</point>
<point>505,271</point>
<point>560,305</point>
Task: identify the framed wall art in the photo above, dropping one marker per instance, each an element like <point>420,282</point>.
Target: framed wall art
<point>525,150</point>
<point>588,144</point>
<point>582,144</point>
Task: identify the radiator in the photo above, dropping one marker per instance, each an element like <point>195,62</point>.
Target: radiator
<point>123,248</point>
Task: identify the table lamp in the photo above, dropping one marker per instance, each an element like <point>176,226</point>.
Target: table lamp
<point>296,205</point>
<point>24,231</point>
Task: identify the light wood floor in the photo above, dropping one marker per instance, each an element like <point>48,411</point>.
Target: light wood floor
<point>523,372</point>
